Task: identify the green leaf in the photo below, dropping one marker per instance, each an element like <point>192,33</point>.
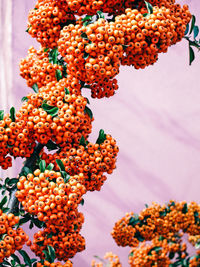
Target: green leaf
<point>51,253</point>
<point>24,220</point>
<point>42,165</point>
<point>50,167</point>
<point>26,257</point>
<point>87,17</point>
<point>187,29</point>
<point>40,243</point>
<point>75,227</point>
<point>35,88</point>
<point>50,235</point>
<point>1,114</point>
<point>12,114</point>
<point>3,201</point>
<point>134,220</point>
<point>185,208</point>
<point>5,210</point>
<point>196,217</point>
<point>24,98</point>
<point>100,15</point>
<point>53,56</point>
<point>89,112</point>
<point>86,55</point>
<point>82,202</point>
<point>65,176</point>
<point>60,165</point>
<point>47,256</point>
<point>25,171</point>
<point>46,49</point>
<point>131,254</point>
<point>82,141</point>
<point>171,255</point>
<point>196,31</point>
<point>149,8</point>
<point>37,222</point>
<point>51,110</point>
<point>58,75</point>
<point>146,206</point>
<point>84,36</point>
<point>12,181</point>
<point>139,236</point>
<point>15,258</point>
<point>161,238</point>
<point>192,24</point>
<point>192,55</point>
<point>51,145</point>
<point>5,263</point>
<point>28,28</point>
<point>101,138</point>
<point>67,91</point>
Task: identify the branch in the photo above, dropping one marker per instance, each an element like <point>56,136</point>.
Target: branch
<point>13,203</point>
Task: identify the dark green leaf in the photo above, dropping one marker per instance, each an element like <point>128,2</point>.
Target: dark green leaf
<point>101,138</point>
<point>146,206</point>
<point>1,114</point>
<point>139,236</point>
<point>5,210</point>
<point>12,114</point>
<point>187,29</point>
<point>197,245</point>
<point>51,145</point>
<point>24,220</point>
<point>82,141</point>
<point>31,225</point>
<point>16,258</point>
<point>192,24</point>
<point>50,167</point>
<point>5,263</point>
<point>196,217</point>
<point>67,91</point>
<point>60,165</point>
<point>75,227</point>
<point>82,202</point>
<point>185,208</point>
<point>35,88</point>
<point>33,260</point>
<point>40,243</point>
<point>131,254</point>
<point>100,15</point>
<point>161,238</point>
<point>89,112</point>
<point>3,202</point>
<point>58,75</point>
<point>47,256</point>
<point>171,255</point>
<point>26,257</point>
<point>86,18</point>
<point>24,98</point>
<point>37,223</point>
<point>192,56</point>
<point>53,56</point>
<point>50,235</point>
<point>156,249</point>
<point>196,31</point>
<point>65,175</point>
<point>25,171</point>
<point>12,181</point>
<point>42,165</point>
<point>51,253</point>
<point>84,36</point>
<point>28,28</point>
<point>88,100</point>
<point>149,7</point>
<point>46,49</point>
<point>86,55</point>
<point>134,220</point>
<point>51,110</point>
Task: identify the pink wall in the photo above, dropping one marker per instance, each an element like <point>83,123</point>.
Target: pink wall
<point>155,118</point>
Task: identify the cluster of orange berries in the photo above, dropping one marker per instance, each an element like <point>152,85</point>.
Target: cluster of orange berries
<point>46,19</point>
<point>91,160</point>
<point>55,114</point>
<point>113,261</point>
<point>10,239</point>
<point>56,264</point>
<point>36,68</point>
<point>14,140</point>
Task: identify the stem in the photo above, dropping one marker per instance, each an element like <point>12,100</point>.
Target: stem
<point>13,203</point>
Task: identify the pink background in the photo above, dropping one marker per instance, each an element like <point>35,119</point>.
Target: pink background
<point>155,118</point>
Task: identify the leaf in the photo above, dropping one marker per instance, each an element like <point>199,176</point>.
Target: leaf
<point>87,17</point>
<point>84,36</point>
<point>85,55</point>
<point>28,28</point>
<point>100,15</point>
<point>67,91</point>
<point>15,258</point>
<point>185,208</point>
<point>3,202</point>
<point>82,202</point>
<point>35,88</point>
<point>25,171</point>
<point>171,255</point>
<point>12,181</point>
<point>53,56</point>
<point>131,254</point>
<point>187,29</point>
<point>5,263</point>
<point>192,56</point>
<point>65,175</point>
<point>46,49</point>
<point>24,98</point>
<point>196,31</point>
<point>89,112</point>
<point>134,220</point>
<point>197,245</point>
<point>37,223</point>
<point>12,114</point>
<point>146,206</point>
<point>40,243</point>
<point>1,114</point>
<point>82,141</point>
<point>60,165</point>
<point>47,256</point>
<point>196,217</point>
<point>51,253</point>
<point>149,8</point>
<point>26,257</point>
<point>75,227</point>
<point>192,24</point>
<point>101,138</point>
<point>42,165</point>
<point>51,110</point>
<point>58,75</point>
<point>50,167</point>
<point>24,220</point>
<point>5,210</point>
<point>51,145</point>
<point>50,235</point>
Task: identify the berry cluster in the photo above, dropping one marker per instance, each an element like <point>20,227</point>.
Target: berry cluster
<point>57,264</point>
<point>10,239</point>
